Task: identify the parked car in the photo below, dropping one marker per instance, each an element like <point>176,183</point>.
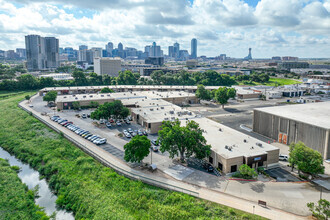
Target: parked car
<point>84,135</point>
<point>140,133</point>
<point>108,124</point>
<point>283,157</point>
<point>94,138</point>
<point>67,124</point>
<point>88,135</point>
<point>111,120</point>
<point>129,118</point>
<point>133,134</point>
<point>155,142</point>
<point>88,115</point>
<point>128,135</point>
<point>155,148</point>
<point>208,167</point>
<point>145,133</point>
<point>83,115</point>
<point>118,123</point>
<point>102,121</point>
<point>100,141</point>
<point>54,117</point>
<point>130,130</point>
<point>127,122</point>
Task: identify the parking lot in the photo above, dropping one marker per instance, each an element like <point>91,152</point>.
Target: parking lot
<point>282,175</point>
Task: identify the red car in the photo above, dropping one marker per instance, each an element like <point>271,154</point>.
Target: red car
<point>111,120</point>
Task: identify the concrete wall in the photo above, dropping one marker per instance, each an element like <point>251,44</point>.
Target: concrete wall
<point>271,126</point>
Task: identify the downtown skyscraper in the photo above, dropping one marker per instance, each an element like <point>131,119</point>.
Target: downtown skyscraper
<point>194,48</point>
<point>41,53</point>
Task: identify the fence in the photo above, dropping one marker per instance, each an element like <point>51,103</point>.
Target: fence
<point>119,170</point>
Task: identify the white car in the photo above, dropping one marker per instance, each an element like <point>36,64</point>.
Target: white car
<point>283,157</point>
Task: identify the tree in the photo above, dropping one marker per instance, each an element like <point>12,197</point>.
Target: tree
<point>108,109</point>
<point>247,172</point>
<point>137,149</point>
<point>50,96</point>
<point>127,78</point>
<point>307,160</point>
<point>321,210</point>
<point>94,104</point>
<point>202,93</point>
<point>79,78</point>
<point>76,105</point>
<point>27,82</point>
<point>184,141</point>
<point>223,94</point>
<point>27,97</point>
<point>107,90</point>
<point>231,93</point>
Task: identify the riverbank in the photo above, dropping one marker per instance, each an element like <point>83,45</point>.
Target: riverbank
<point>17,201</point>
<point>88,188</point>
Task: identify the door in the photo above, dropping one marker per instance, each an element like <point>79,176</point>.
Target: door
<point>233,168</point>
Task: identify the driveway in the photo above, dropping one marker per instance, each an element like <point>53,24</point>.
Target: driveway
<point>282,175</point>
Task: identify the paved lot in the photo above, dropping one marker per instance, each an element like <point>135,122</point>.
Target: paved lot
<point>282,175</point>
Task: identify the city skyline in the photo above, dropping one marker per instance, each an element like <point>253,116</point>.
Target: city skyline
<point>285,28</point>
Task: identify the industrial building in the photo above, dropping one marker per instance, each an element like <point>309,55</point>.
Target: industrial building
<point>231,148</point>
<point>107,66</point>
<point>309,123</point>
<point>120,88</point>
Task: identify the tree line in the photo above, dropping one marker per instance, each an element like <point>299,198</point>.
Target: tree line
<point>80,78</point>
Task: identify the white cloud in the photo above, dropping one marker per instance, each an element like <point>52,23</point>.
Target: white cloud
<point>221,26</point>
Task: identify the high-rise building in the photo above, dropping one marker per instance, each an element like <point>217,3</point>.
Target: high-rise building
<point>52,52</point>
<point>194,48</point>
<point>21,52</point>
<point>171,51</point>
<point>35,52</point>
<point>97,51</point>
<point>155,51</point>
<point>41,53</point>
<point>109,48</point>
<point>176,49</point>
<point>83,47</point>
<point>107,66</point>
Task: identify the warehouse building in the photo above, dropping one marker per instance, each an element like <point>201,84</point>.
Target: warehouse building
<point>120,88</point>
<point>129,99</point>
<point>231,148</point>
<point>309,123</point>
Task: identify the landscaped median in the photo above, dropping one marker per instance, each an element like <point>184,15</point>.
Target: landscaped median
<point>88,188</point>
<point>16,200</point>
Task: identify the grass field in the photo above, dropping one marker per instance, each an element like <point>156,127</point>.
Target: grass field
<point>86,187</point>
<point>274,82</point>
<point>16,200</point>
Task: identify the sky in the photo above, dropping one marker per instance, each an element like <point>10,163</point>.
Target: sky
<point>270,27</point>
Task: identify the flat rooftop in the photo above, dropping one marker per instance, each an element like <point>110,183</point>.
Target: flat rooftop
<point>232,139</point>
<point>317,114</point>
<point>154,114</point>
<point>126,96</point>
<point>150,87</point>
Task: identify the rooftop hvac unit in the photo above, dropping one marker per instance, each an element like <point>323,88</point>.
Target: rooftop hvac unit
<point>165,119</point>
<point>245,140</point>
<point>76,98</point>
<point>259,144</point>
<point>73,95</point>
<point>157,109</point>
<point>162,107</point>
<point>102,95</point>
<point>65,97</point>
<point>151,109</point>
<point>220,129</point>
<point>91,96</point>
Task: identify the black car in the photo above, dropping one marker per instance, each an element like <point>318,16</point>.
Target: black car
<point>208,167</point>
<point>145,133</point>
